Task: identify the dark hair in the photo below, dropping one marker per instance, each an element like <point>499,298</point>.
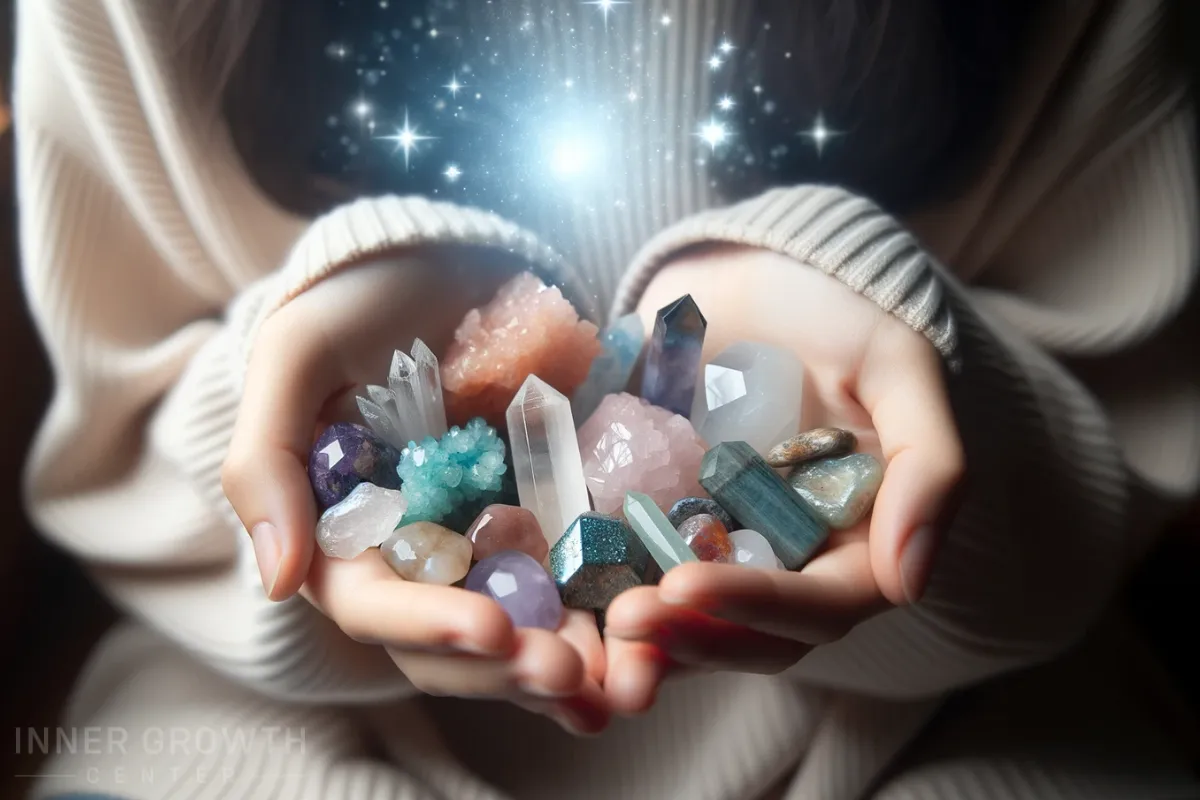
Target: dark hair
<point>916,86</point>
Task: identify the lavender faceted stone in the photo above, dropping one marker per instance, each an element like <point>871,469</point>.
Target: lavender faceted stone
<point>673,357</point>
<point>522,588</point>
<point>346,455</point>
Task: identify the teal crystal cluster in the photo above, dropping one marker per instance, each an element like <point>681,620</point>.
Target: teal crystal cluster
<point>449,480</point>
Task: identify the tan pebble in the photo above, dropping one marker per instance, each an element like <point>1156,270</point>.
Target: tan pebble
<point>811,445</point>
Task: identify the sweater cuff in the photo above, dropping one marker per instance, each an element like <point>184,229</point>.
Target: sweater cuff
<point>374,227</point>
<point>845,236</point>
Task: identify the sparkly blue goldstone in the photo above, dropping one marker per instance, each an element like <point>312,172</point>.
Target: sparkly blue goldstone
<point>596,559</point>
<point>740,480</point>
<point>450,480</point>
<point>673,357</point>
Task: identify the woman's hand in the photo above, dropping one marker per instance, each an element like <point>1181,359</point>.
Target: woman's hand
<point>309,358</point>
<point>864,371</point>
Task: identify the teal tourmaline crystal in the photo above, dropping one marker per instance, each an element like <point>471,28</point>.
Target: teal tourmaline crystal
<point>595,560</point>
<point>740,480</point>
<point>449,480</point>
<point>651,525</point>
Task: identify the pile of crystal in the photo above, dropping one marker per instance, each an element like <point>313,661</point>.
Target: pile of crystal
<point>411,408</point>
<point>630,445</point>
<point>449,480</point>
<point>528,328</point>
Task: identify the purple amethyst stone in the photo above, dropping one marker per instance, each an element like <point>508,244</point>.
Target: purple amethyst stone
<point>521,586</point>
<point>346,455</point>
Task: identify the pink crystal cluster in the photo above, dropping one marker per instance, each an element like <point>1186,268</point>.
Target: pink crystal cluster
<point>528,328</point>
<point>630,445</point>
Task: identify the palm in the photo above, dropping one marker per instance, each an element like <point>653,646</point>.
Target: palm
<point>865,371</point>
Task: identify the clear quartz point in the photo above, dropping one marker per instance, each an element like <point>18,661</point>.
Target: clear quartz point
<point>546,461</point>
<point>404,383</point>
<point>429,382</point>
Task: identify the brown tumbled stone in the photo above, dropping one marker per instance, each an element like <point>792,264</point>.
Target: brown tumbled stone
<point>708,538</point>
<point>811,445</point>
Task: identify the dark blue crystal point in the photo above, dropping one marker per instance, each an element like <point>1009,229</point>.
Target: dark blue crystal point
<point>673,357</point>
<point>740,480</point>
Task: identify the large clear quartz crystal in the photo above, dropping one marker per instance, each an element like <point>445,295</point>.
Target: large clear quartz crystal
<point>546,462</point>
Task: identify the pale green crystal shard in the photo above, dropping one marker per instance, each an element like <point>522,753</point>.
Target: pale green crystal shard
<point>840,490</point>
<point>651,525</point>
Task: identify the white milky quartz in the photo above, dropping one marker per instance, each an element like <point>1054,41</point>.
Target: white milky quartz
<point>365,519</point>
<point>751,549</point>
<point>751,393</point>
<point>426,552</point>
<point>546,461</point>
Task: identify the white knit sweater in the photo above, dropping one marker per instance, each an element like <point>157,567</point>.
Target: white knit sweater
<point>150,258</point>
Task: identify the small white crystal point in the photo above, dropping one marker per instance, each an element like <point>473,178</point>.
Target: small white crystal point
<point>429,378</point>
<point>365,519</point>
<point>546,461</point>
<point>380,421</point>
<point>751,392</point>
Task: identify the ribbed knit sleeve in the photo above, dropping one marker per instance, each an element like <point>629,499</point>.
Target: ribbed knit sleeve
<point>147,306</point>
<point>1055,513</point>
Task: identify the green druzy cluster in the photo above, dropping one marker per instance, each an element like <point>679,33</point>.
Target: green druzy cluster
<point>449,480</point>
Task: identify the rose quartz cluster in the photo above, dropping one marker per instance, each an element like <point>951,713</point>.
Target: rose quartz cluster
<point>630,445</point>
<point>527,329</point>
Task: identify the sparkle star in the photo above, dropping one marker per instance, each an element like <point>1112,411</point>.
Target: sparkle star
<point>714,62</point>
<point>452,173</point>
<point>453,86</point>
<point>606,6</point>
<point>726,103</point>
<point>666,20</point>
<point>725,47</point>
<point>819,133</point>
<point>406,139</point>
<point>361,109</point>
<point>713,133</point>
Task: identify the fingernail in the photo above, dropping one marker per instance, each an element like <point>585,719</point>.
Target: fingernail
<point>268,551</point>
<point>534,689</point>
<point>915,562</point>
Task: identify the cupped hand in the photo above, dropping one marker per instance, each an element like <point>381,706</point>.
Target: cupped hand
<point>867,372</point>
<point>309,359</point>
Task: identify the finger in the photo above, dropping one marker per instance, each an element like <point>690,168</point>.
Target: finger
<point>586,713</point>
<point>581,632</point>
<point>636,670</point>
<point>902,388</point>
<point>265,474</point>
<point>371,604</point>
<point>543,666</point>
<point>693,639</point>
<point>834,593</point>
